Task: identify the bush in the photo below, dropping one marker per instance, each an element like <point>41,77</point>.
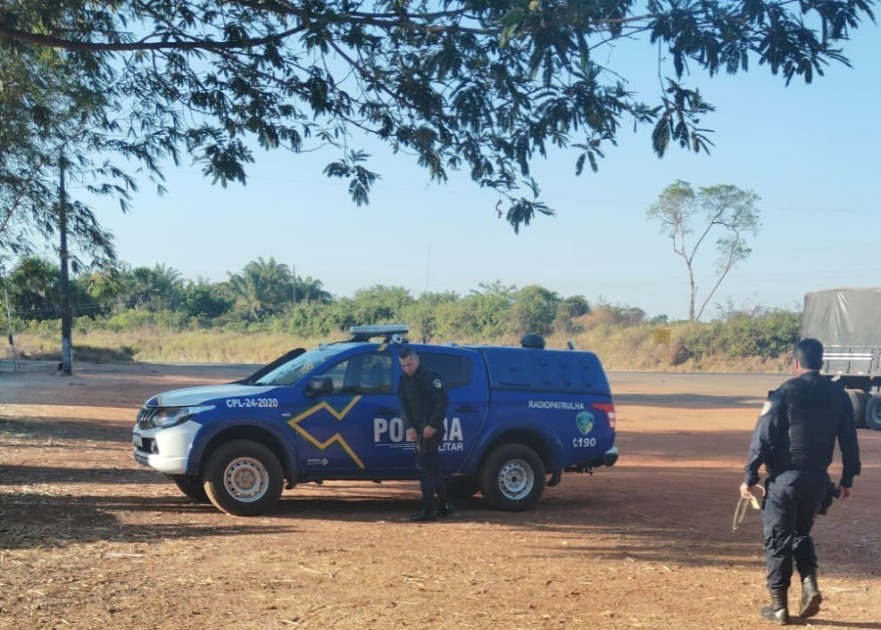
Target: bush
<point>766,335</point>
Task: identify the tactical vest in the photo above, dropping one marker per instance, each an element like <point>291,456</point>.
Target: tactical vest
<point>813,410</point>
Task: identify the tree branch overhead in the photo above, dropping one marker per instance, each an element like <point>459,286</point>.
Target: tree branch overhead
<point>486,86</point>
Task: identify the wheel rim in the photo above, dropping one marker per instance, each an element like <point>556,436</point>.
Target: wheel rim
<point>516,479</point>
<point>246,479</point>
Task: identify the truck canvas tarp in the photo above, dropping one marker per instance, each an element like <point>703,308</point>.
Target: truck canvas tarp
<point>846,321</point>
<point>844,317</point>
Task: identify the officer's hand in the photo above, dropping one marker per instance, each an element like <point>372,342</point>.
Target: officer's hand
<point>411,435</point>
<point>746,491</point>
<point>428,431</point>
<point>845,492</point>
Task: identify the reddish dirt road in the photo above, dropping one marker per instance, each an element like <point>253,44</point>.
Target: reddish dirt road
<point>88,539</point>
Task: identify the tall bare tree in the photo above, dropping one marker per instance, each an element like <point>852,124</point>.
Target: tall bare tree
<point>687,219</point>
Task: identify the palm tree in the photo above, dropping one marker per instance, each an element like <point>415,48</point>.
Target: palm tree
<point>263,287</point>
<point>34,288</point>
<point>153,289</point>
<point>310,289</point>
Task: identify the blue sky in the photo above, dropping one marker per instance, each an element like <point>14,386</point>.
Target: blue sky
<point>812,153</point>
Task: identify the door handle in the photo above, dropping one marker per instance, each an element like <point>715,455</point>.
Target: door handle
<point>385,411</point>
<point>466,409</point>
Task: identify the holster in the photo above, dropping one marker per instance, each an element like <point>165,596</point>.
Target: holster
<point>832,492</point>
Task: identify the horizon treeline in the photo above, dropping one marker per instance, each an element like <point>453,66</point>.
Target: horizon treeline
<point>265,297</point>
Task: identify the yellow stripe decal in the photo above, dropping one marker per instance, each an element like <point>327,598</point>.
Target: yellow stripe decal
<point>336,438</point>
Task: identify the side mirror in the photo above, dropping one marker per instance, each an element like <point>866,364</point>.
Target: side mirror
<point>319,386</point>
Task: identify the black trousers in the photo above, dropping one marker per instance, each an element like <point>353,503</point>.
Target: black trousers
<point>431,479</point>
<point>792,500</point>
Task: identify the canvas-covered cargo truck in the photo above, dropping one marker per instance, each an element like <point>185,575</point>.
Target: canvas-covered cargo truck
<point>848,322</point>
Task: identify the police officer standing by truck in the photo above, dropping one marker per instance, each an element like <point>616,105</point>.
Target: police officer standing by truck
<point>795,440</point>
<point>423,408</point>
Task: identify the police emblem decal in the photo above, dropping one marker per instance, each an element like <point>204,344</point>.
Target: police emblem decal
<point>436,383</point>
<point>584,420</point>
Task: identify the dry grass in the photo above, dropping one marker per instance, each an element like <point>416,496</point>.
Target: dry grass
<point>156,345</point>
<point>620,347</point>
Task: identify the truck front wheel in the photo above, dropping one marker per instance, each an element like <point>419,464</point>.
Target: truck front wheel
<point>191,486</point>
<point>243,478</point>
<point>512,478</point>
<point>873,412</point>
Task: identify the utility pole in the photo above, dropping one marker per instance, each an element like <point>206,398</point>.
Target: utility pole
<point>66,349</point>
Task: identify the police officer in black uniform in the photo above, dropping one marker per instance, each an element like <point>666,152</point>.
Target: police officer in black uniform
<point>423,408</point>
<point>795,439</point>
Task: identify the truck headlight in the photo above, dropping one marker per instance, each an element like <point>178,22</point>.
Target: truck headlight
<point>171,416</point>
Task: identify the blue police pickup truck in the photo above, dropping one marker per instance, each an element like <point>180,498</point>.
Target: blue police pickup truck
<point>517,419</point>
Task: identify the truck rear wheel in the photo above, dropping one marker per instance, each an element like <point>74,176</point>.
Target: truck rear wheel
<point>858,398</point>
<point>243,478</point>
<point>512,478</point>
<point>191,486</point>
<point>873,412</point>
<point>460,487</point>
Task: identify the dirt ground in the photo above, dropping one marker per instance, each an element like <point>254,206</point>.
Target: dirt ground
<point>89,539</point>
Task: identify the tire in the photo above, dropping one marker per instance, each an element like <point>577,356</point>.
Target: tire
<point>460,487</point>
<point>243,478</point>
<point>873,412</point>
<point>512,478</point>
<point>191,486</point>
<point>858,398</point>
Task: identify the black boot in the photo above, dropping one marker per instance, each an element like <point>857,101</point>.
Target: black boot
<point>424,515</point>
<point>445,508</point>
<point>810,597</point>
<point>778,610</point>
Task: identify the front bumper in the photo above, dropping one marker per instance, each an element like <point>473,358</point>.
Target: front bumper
<point>165,450</point>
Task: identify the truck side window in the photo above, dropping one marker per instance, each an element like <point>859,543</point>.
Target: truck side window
<point>369,373</point>
<point>455,371</point>
<point>376,374</point>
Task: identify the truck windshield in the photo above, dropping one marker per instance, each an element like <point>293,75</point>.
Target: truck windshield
<point>292,371</point>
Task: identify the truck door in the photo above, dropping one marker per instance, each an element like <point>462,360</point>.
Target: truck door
<point>338,430</point>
